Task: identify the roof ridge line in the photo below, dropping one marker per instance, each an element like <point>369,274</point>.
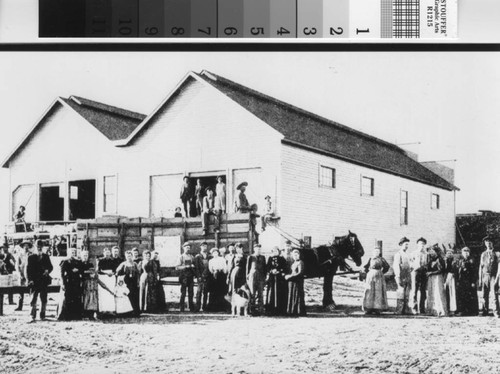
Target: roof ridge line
<point>330,122</point>
<point>106,107</point>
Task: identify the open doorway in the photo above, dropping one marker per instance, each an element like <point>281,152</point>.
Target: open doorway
<point>51,203</point>
<point>82,199</point>
<point>205,181</point>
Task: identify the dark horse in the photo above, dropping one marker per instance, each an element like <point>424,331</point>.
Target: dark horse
<point>324,261</point>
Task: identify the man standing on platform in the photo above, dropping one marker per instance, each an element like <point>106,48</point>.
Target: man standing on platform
<point>419,263</point>
<point>186,277</point>
<point>186,196</point>
<point>402,274</point>
<point>37,273</point>
<point>488,270</point>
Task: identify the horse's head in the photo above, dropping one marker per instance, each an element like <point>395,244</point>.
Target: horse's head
<point>354,249</point>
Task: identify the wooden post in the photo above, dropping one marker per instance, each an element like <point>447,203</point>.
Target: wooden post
<point>152,246</point>
<point>217,239</point>
<point>184,232</point>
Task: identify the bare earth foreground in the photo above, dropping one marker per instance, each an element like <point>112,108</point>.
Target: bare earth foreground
<point>344,341</point>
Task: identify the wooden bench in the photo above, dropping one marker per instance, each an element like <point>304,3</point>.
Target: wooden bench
<point>24,289</point>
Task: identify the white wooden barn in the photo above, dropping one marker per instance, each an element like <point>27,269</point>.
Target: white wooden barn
<point>324,178</point>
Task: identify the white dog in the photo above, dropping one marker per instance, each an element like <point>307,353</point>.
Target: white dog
<point>239,301</point>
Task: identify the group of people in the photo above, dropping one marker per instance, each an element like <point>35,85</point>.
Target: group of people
<point>204,202</point>
<point>433,283</point>
<point>115,286</point>
<point>274,286</point>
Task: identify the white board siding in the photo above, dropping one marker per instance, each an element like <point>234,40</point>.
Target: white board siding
<point>323,213</point>
<point>200,131</point>
<point>65,148</point>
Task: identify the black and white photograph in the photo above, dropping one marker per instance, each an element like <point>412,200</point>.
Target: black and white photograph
<point>249,212</point>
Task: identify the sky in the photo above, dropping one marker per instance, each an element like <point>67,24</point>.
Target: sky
<point>448,102</point>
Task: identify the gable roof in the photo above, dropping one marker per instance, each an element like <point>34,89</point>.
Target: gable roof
<point>115,123</point>
<point>307,130</point>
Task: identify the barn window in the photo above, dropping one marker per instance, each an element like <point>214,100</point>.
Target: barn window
<point>434,201</point>
<point>404,207</point>
<point>110,194</point>
<point>367,186</point>
<point>326,177</point>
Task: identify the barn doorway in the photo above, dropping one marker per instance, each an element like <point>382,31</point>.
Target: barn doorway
<point>206,181</point>
<point>82,199</point>
<point>51,202</point>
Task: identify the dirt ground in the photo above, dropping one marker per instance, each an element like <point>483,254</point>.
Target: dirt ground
<point>343,341</point>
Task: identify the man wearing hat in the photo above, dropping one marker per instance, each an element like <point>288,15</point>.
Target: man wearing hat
<point>268,212</point>
<point>10,265</point>
<point>208,210</point>
<point>488,269</point>
<point>187,195</point>
<point>419,261</point>
<point>402,275</point>
<point>38,271</point>
<point>21,262</point>
<point>203,275</point>
<point>186,277</point>
<point>257,278</point>
<point>242,204</point>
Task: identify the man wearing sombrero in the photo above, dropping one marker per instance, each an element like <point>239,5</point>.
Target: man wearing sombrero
<point>242,204</point>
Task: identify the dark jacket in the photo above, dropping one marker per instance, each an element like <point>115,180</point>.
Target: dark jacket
<point>201,267</point>
<point>35,270</point>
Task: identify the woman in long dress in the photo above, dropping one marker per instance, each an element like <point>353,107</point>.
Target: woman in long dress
<point>90,301</point>
<point>467,300</point>
<point>276,297</point>
<point>375,300</point>
<point>436,297</point>
<point>217,267</point>
<point>296,298</point>
<point>71,307</point>
<point>131,272</point>
<point>106,283</point>
<point>148,283</point>
<point>450,282</point>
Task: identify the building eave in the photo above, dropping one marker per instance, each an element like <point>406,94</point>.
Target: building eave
<point>29,134</point>
<point>356,162</point>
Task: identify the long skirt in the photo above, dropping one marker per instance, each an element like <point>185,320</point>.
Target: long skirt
<point>436,296</point>
<point>237,279</point>
<point>217,302</point>
<point>105,295</point>
<point>71,307</point>
<point>467,300</point>
<point>296,298</point>
<point>451,292</point>
<point>90,301</point>
<point>148,293</point>
<point>375,291</point>
<point>276,297</point>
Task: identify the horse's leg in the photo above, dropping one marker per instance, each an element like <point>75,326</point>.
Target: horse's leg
<point>327,290</point>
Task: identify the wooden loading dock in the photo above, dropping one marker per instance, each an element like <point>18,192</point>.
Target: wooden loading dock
<point>127,233</point>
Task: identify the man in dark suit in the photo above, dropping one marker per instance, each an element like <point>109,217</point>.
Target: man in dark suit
<point>37,272</point>
<point>203,275</point>
<point>186,196</point>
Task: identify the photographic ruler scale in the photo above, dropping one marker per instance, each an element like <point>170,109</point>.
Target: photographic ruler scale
<point>249,19</point>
